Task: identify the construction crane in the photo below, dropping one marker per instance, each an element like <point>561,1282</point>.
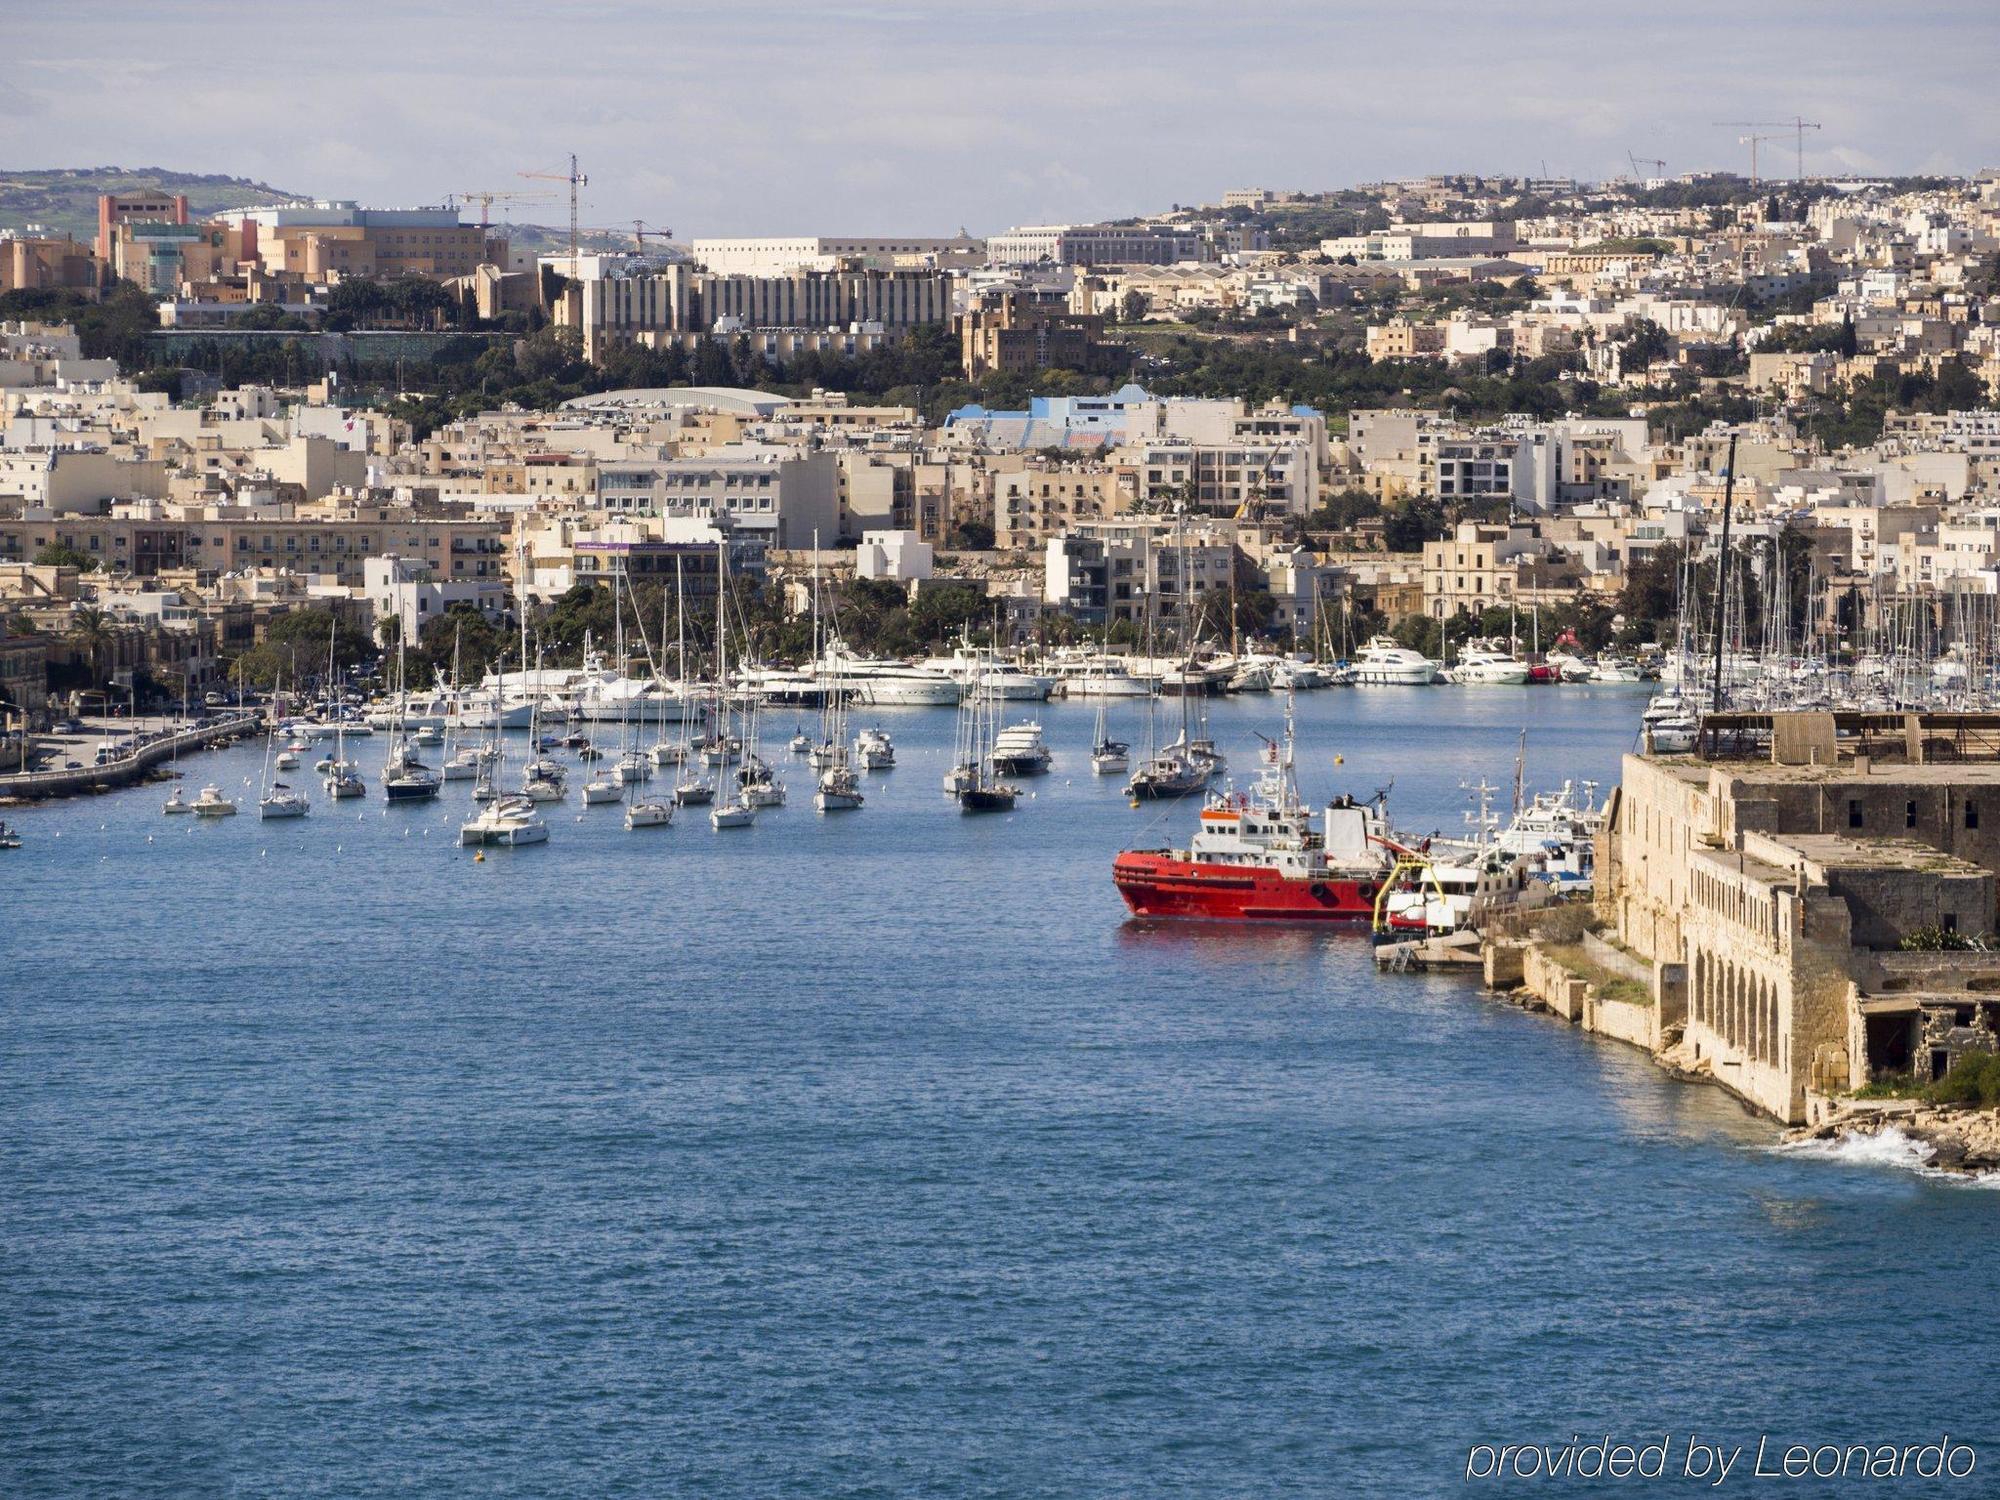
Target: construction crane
<point>575,179</point>
<point>486,200</point>
<point>641,229</point>
<point>1659,167</point>
<point>1797,125</point>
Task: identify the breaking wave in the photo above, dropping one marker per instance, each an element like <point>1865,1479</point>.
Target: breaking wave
<point>1890,1147</point>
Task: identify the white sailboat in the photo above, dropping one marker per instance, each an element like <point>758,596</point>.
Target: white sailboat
<point>734,811</point>
<point>279,799</point>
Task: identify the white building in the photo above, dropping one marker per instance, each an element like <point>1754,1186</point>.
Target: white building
<point>896,556</point>
<point>405,587</point>
<point>784,255</point>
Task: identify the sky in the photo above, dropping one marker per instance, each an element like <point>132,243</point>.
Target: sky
<point>866,117</point>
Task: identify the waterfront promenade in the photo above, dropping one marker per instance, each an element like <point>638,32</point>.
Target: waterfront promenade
<point>71,779</point>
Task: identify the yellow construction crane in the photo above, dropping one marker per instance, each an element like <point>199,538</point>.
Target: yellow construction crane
<point>486,200</point>
<point>1659,167</point>
<point>575,179</point>
<point>1797,125</point>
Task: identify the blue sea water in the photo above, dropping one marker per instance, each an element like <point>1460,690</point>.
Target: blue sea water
<point>878,1154</point>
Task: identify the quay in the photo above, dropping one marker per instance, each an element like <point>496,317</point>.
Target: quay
<point>69,781</point>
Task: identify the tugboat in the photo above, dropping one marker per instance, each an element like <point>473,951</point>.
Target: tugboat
<point>1255,856</point>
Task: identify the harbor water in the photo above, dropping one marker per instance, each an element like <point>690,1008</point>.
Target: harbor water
<point>879,1154</point>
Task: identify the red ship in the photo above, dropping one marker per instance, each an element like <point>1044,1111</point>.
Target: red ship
<point>1256,857</point>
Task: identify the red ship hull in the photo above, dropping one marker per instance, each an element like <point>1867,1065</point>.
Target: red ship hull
<point>1159,885</point>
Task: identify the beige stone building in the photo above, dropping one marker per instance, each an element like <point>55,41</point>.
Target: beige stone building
<point>1773,902</point>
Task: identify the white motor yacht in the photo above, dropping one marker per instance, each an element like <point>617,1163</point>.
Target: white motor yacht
<point>873,751</point>
<point>1487,663</point>
<point>212,804</point>
<point>885,682</point>
<point>1383,663</point>
<point>1020,750</point>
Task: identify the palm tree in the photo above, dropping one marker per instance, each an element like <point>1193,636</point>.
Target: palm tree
<point>91,629</point>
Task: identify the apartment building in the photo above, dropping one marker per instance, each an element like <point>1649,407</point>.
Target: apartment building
<point>1278,478</point>
<point>782,497</point>
<point>1044,499</point>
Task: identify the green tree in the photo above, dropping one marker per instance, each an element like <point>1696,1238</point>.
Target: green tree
<point>55,555</point>
<point>91,629</point>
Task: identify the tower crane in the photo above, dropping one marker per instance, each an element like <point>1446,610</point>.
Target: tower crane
<point>486,200</point>
<point>575,179</point>
<point>1797,125</point>
<point>1659,167</point>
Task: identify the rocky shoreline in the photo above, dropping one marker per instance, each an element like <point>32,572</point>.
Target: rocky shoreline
<point>1959,1139</point>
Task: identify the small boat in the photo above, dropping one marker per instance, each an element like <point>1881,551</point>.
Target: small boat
<point>735,814</point>
<point>995,796</point>
<point>669,754</point>
<point>9,839</point>
<point>589,752</point>
<point>649,814</point>
<point>874,751</point>
<point>839,790</point>
<point>344,780</point>
<point>324,764</point>
<point>801,743</point>
<point>631,768</point>
<point>282,802</point>
<point>597,793</point>
<point>462,766</point>
<point>719,750</point>
<point>212,804</point>
<point>1167,775</point>
<point>176,803</point>
<point>506,822</point>
<point>1109,757</point>
<point>287,760</point>
<point>961,776</point>
<point>429,734</point>
<point>694,791</point>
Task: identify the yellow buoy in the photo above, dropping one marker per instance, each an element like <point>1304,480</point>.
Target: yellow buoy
<point>1340,760</point>
<point>479,858</point>
<point>1135,802</point>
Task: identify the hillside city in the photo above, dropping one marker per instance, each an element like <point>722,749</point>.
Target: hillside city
<point>1436,408</point>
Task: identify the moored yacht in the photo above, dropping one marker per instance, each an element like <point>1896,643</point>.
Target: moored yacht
<point>1383,663</point>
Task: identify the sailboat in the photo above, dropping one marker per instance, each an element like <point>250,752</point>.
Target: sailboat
<point>343,777</point>
<point>1107,756</point>
<point>839,786</point>
<point>735,811</point>
<point>987,792</point>
<point>405,778</point>
<point>279,799</point>
<point>1174,770</point>
<point>176,803</point>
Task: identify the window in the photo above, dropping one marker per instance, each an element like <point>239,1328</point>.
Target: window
<point>1909,815</point>
<point>1972,815</point>
<point>1853,813</point>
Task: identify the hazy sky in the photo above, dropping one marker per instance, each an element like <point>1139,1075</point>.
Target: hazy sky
<point>787,116</point>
